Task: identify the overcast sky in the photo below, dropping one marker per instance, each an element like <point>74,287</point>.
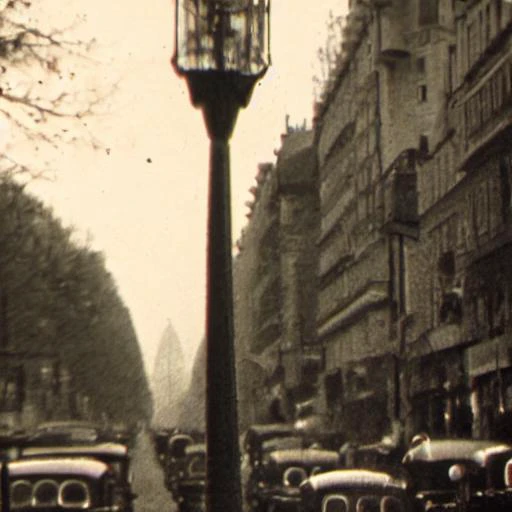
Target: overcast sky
<point>142,196</point>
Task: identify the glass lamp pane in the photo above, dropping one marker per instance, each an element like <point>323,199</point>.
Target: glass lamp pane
<point>222,35</point>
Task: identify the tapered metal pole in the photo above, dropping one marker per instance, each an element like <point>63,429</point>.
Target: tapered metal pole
<point>223,468</point>
<point>220,96</point>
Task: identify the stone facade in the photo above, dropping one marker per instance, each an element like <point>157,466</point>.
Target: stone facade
<point>412,294</point>
<point>275,281</point>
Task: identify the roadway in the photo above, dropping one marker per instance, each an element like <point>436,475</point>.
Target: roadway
<point>148,480</point>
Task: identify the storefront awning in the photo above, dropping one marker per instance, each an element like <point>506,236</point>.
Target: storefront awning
<point>441,338</point>
<point>488,356</point>
<point>374,295</point>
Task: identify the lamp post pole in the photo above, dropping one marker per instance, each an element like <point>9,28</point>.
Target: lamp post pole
<point>223,467</point>
<point>220,96</point>
<point>221,50</point>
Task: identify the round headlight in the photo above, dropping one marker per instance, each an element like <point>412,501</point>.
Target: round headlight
<point>456,472</point>
<point>74,494</point>
<point>21,493</point>
<point>46,493</point>
<point>294,476</point>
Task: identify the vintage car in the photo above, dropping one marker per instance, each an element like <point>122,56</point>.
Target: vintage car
<point>257,435</point>
<point>61,484</point>
<point>274,484</point>
<point>160,439</point>
<point>250,473</point>
<point>355,490</point>
<point>65,432</point>
<point>115,455</point>
<point>189,488</point>
<point>175,459</point>
<point>459,474</point>
<point>382,456</point>
<point>123,434</point>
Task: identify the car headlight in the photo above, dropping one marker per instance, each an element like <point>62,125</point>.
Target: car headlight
<point>46,493</point>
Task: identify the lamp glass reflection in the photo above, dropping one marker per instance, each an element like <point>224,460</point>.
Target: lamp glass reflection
<point>222,35</point>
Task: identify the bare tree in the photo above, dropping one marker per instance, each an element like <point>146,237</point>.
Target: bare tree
<point>329,55</point>
<point>42,104</point>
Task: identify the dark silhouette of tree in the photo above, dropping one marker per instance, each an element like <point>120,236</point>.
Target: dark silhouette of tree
<point>60,298</point>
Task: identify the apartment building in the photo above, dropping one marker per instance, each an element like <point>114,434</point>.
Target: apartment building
<point>275,284</point>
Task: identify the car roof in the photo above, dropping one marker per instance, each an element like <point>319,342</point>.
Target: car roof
<point>282,443</point>
<point>455,449</point>
<point>61,466</point>
<point>355,478</point>
<point>306,456</point>
<point>195,448</point>
<point>48,425</point>
<point>114,449</point>
<point>179,437</point>
<point>269,429</point>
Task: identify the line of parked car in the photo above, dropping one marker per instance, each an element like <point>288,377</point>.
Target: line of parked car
<point>67,465</point>
<point>284,470</point>
<point>182,456</point>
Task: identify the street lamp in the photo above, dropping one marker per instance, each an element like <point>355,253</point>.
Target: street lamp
<point>222,50</point>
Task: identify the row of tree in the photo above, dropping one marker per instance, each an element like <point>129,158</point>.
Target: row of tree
<point>57,296</point>
<point>55,293</point>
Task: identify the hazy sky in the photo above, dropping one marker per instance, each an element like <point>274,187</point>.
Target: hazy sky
<point>149,218</point>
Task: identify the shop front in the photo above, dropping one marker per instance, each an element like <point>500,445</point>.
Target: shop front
<point>437,387</point>
<point>490,371</point>
<point>364,410</point>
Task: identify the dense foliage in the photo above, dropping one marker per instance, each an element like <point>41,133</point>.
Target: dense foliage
<point>56,295</point>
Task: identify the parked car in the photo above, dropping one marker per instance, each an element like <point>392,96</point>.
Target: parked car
<point>175,459</point>
<point>61,484</point>
<point>356,490</point>
<point>123,434</point>
<point>250,473</point>
<point>274,484</point>
<point>381,456</point>
<point>160,439</point>
<point>256,435</point>
<point>65,432</point>
<point>460,474</point>
<point>114,454</point>
<point>189,491</point>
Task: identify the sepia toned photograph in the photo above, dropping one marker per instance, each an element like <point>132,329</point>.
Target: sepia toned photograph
<point>256,256</point>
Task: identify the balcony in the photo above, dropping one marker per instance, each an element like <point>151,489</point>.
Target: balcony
<point>375,294</point>
<point>393,46</point>
<point>267,334</point>
<point>487,112</point>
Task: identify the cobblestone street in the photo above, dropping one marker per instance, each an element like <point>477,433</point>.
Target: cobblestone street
<point>148,480</point>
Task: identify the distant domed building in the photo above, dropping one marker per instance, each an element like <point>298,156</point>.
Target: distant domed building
<point>169,379</point>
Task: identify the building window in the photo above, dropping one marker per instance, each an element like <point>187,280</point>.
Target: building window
<point>506,196</point>
<point>451,67</point>
<point>487,24</point>
<point>422,93</point>
<point>428,12</point>
<point>420,65</point>
<point>472,43</point>
<point>423,145</point>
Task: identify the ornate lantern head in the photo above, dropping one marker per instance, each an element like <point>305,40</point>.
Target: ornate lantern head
<point>222,36</point>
